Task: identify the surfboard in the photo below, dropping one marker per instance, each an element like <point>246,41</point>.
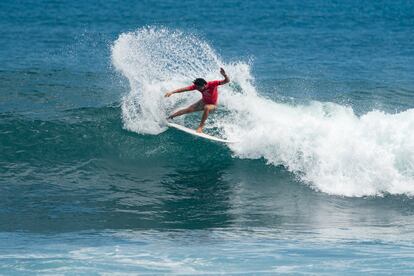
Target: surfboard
<point>202,135</point>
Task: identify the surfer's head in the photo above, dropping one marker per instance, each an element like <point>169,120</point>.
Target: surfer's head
<point>200,83</point>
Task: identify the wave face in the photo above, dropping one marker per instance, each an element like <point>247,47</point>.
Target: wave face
<point>326,145</point>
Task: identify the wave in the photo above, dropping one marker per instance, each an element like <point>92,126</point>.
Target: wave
<point>79,134</point>
<point>82,134</point>
<point>326,145</point>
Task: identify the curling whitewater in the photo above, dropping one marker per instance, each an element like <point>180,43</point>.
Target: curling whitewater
<point>325,144</point>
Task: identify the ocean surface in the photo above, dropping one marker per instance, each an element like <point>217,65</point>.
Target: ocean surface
<point>321,100</point>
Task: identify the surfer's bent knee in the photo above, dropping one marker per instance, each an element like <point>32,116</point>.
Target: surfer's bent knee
<point>209,107</point>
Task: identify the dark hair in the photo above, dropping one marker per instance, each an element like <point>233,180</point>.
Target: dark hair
<point>200,82</point>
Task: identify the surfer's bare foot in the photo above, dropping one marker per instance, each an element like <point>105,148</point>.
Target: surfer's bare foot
<point>199,130</point>
<point>170,117</point>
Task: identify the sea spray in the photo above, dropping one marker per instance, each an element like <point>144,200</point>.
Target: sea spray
<point>325,144</point>
<point>156,60</point>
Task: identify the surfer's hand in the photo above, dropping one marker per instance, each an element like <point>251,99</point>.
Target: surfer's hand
<point>223,72</point>
<point>168,94</point>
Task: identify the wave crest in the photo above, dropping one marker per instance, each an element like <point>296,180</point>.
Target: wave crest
<point>324,144</point>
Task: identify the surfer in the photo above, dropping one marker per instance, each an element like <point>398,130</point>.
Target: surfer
<point>209,97</point>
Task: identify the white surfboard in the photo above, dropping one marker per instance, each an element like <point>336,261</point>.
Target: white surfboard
<point>202,135</point>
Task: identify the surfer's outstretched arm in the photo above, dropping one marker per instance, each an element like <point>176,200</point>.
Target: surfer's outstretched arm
<point>226,78</point>
<point>179,90</point>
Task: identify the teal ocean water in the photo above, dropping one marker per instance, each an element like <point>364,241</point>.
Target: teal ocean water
<point>320,99</point>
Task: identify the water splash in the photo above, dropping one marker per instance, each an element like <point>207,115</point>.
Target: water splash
<point>156,60</point>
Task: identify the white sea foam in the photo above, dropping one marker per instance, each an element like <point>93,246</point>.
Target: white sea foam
<point>325,144</point>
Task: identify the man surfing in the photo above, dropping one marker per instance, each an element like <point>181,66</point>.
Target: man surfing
<point>209,97</point>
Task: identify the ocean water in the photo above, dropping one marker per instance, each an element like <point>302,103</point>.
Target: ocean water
<point>321,100</point>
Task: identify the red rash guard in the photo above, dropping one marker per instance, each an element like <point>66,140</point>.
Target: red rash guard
<point>209,93</point>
